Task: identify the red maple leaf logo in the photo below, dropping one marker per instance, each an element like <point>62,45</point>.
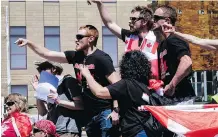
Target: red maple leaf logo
<point>79,77</point>
<point>149,45</point>
<point>126,41</point>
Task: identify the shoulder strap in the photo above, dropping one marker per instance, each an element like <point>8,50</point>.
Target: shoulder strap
<point>15,127</point>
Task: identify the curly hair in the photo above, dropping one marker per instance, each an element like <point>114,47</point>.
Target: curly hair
<point>135,65</point>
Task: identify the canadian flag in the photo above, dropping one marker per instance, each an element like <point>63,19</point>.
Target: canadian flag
<point>187,120</point>
<point>149,46</point>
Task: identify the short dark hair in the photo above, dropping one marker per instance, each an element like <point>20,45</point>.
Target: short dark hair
<point>44,65</point>
<point>135,65</point>
<point>169,12</point>
<point>145,13</point>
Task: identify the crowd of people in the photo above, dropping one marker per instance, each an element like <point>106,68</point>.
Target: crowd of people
<point>100,99</point>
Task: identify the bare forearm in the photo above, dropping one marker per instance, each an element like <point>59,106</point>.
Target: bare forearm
<point>76,105</point>
<point>203,43</point>
<point>107,20</point>
<point>115,103</point>
<point>48,54</point>
<point>97,89</point>
<point>104,14</point>
<point>183,70</point>
<point>40,50</point>
<point>42,110</point>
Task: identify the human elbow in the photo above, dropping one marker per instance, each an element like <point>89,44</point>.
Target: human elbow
<point>187,61</point>
<point>100,94</point>
<point>46,54</point>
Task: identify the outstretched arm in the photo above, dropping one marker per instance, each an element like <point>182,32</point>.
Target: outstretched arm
<point>203,43</point>
<point>42,51</point>
<point>111,25</point>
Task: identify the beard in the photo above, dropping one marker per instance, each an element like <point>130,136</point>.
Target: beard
<point>133,30</point>
<point>159,34</point>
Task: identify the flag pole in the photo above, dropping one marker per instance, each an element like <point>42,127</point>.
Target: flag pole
<point>8,50</point>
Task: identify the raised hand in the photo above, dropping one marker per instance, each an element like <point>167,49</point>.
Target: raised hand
<point>168,28</point>
<point>94,1</point>
<point>21,42</point>
<point>35,82</point>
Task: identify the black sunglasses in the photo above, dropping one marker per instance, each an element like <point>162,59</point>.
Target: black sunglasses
<point>10,103</point>
<point>36,130</point>
<point>79,36</point>
<point>134,19</point>
<point>157,18</point>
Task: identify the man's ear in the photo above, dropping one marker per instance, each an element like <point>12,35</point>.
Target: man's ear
<point>91,38</point>
<point>168,20</point>
<point>144,22</point>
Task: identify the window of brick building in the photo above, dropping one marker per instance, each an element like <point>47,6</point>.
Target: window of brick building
<point>50,0</point>
<point>109,41</point>
<point>18,55</point>
<point>17,0</point>
<point>109,1</point>
<point>52,38</point>
<point>21,89</point>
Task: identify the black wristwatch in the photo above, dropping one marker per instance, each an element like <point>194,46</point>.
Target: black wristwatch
<point>116,109</point>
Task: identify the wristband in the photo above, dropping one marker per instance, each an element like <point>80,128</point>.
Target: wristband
<point>116,109</point>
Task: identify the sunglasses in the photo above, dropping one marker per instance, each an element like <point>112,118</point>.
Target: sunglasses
<point>79,36</point>
<point>36,130</point>
<point>10,103</point>
<point>134,19</point>
<point>157,18</point>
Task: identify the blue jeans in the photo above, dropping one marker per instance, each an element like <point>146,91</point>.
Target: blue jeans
<point>99,126</point>
<point>141,134</point>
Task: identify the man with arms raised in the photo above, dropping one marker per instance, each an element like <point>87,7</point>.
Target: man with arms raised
<point>101,66</point>
<point>139,37</point>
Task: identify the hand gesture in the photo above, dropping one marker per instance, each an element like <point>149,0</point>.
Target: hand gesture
<point>21,42</point>
<point>168,28</point>
<point>169,90</point>
<point>35,82</point>
<point>84,70</point>
<point>115,117</point>
<point>94,1</point>
<point>54,96</point>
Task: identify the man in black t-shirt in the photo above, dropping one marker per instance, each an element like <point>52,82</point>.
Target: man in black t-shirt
<point>139,37</point>
<point>101,66</point>
<point>175,62</point>
<point>135,73</point>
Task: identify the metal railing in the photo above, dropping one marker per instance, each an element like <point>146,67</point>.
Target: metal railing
<point>205,83</point>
